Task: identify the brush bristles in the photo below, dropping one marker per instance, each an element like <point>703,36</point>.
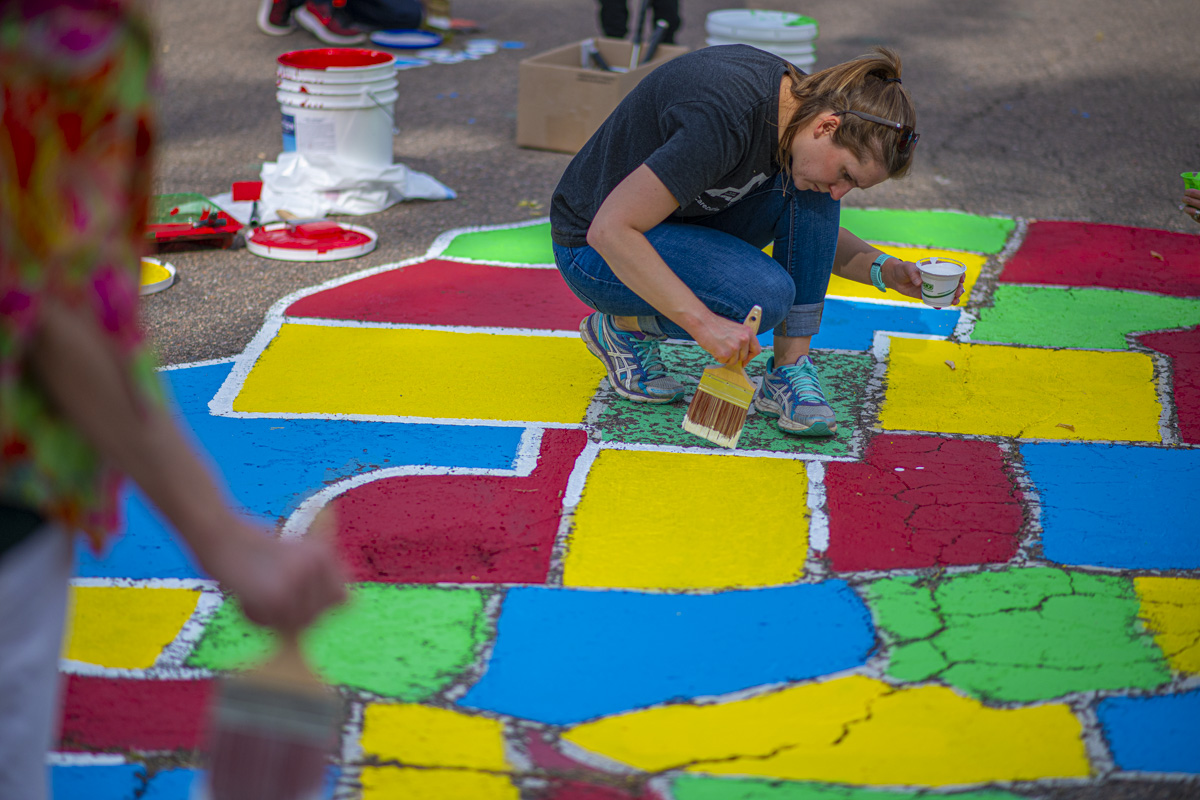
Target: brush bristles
<point>271,743</point>
<point>298,715</point>
<point>719,421</point>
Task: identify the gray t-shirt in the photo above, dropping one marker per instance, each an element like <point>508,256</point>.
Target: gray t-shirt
<point>706,124</point>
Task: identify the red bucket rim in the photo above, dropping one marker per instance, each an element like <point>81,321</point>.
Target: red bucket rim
<point>325,58</point>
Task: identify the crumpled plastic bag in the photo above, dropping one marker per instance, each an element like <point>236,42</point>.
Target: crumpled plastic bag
<point>315,185</point>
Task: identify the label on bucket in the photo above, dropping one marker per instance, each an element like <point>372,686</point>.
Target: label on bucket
<point>317,135</point>
<point>289,133</point>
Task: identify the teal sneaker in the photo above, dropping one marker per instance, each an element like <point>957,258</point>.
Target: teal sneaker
<point>793,394</point>
<point>634,363</point>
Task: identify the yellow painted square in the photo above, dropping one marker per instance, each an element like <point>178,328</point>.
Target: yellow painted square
<point>842,287</point>
<point>1024,392</point>
<point>425,736</point>
<point>396,783</point>
<point>422,373</point>
<point>1171,611</point>
<point>125,627</point>
<point>661,520</point>
<point>853,730</point>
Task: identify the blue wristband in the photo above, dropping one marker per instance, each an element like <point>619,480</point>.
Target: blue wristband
<point>877,271</point>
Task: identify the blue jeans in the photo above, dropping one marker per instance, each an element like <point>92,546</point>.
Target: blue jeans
<point>721,260</point>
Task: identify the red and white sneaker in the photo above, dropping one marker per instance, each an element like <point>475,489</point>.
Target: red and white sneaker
<point>275,17</point>
<point>318,17</point>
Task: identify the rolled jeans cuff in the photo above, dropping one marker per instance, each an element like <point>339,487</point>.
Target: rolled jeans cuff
<point>801,320</point>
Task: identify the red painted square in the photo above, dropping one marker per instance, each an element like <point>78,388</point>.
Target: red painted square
<point>126,715</point>
<point>1184,349</point>
<point>922,501</point>
<point>459,528</point>
<point>1085,254</point>
<point>574,780</point>
<point>450,293</point>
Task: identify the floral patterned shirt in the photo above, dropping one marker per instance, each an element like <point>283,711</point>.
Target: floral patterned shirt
<point>75,115</point>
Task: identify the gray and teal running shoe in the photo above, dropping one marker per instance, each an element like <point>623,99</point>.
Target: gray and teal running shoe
<point>634,363</point>
<point>793,394</point>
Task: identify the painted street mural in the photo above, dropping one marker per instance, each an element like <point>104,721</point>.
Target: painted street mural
<point>987,583</point>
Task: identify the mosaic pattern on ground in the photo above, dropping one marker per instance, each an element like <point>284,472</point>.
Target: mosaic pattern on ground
<point>986,585</point>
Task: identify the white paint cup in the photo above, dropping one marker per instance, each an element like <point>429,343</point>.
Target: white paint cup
<point>939,280</point>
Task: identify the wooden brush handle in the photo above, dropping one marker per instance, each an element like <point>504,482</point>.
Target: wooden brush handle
<point>753,318</point>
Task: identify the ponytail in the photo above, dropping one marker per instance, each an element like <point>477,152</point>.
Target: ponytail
<point>870,83</point>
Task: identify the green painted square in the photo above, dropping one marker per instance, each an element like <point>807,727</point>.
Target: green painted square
<point>844,378</point>
<point>523,244</point>
<point>951,230</point>
<point>404,642</point>
<point>1095,319</point>
<point>1020,635</point>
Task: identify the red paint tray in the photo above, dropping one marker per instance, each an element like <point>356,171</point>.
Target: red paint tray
<point>188,221</point>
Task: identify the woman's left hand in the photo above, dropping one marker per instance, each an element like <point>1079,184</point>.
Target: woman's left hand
<point>905,278</point>
<point>1191,204</point>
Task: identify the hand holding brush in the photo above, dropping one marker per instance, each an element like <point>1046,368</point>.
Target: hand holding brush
<point>275,726</point>
<point>722,400</point>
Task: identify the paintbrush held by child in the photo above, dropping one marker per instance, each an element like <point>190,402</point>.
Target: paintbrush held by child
<point>660,222</point>
<point>80,405</point>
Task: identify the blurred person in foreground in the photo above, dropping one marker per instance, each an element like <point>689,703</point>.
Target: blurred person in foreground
<point>80,404</point>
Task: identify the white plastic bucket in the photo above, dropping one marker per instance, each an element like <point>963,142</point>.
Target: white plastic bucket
<point>376,87</point>
<point>353,128</point>
<point>790,36</point>
<point>802,61</point>
<point>778,48</point>
<point>338,102</point>
<point>749,26</point>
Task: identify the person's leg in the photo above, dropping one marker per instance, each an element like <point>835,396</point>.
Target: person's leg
<point>33,578</point>
<point>614,18</point>
<point>805,244</point>
<point>668,12</point>
<point>729,275</point>
<point>802,228</point>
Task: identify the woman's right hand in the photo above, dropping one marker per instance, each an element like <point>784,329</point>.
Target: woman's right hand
<point>726,340</point>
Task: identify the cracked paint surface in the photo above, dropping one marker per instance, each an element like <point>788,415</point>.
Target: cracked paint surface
<point>1076,317</point>
<point>1170,612</point>
<point>1017,636</point>
<point>698,788</point>
<point>409,643</point>
<point>1116,505</point>
<point>563,656</point>
<point>922,501</point>
<point>1115,256</point>
<point>852,730</point>
<point>987,578</point>
<point>844,377</point>
<point>420,751</point>
<point>1183,350</point>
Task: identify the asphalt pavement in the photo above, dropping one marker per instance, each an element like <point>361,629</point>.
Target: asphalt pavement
<point>1074,109</point>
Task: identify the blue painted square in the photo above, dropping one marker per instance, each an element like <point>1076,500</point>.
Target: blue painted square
<point>272,465</point>
<point>97,782</point>
<point>851,324</point>
<point>563,656</point>
<point>1153,734</point>
<point>1118,506</point>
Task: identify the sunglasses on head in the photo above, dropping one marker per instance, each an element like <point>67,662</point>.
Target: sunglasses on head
<point>907,139</point>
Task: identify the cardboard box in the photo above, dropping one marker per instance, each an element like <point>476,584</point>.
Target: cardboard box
<point>560,104</point>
